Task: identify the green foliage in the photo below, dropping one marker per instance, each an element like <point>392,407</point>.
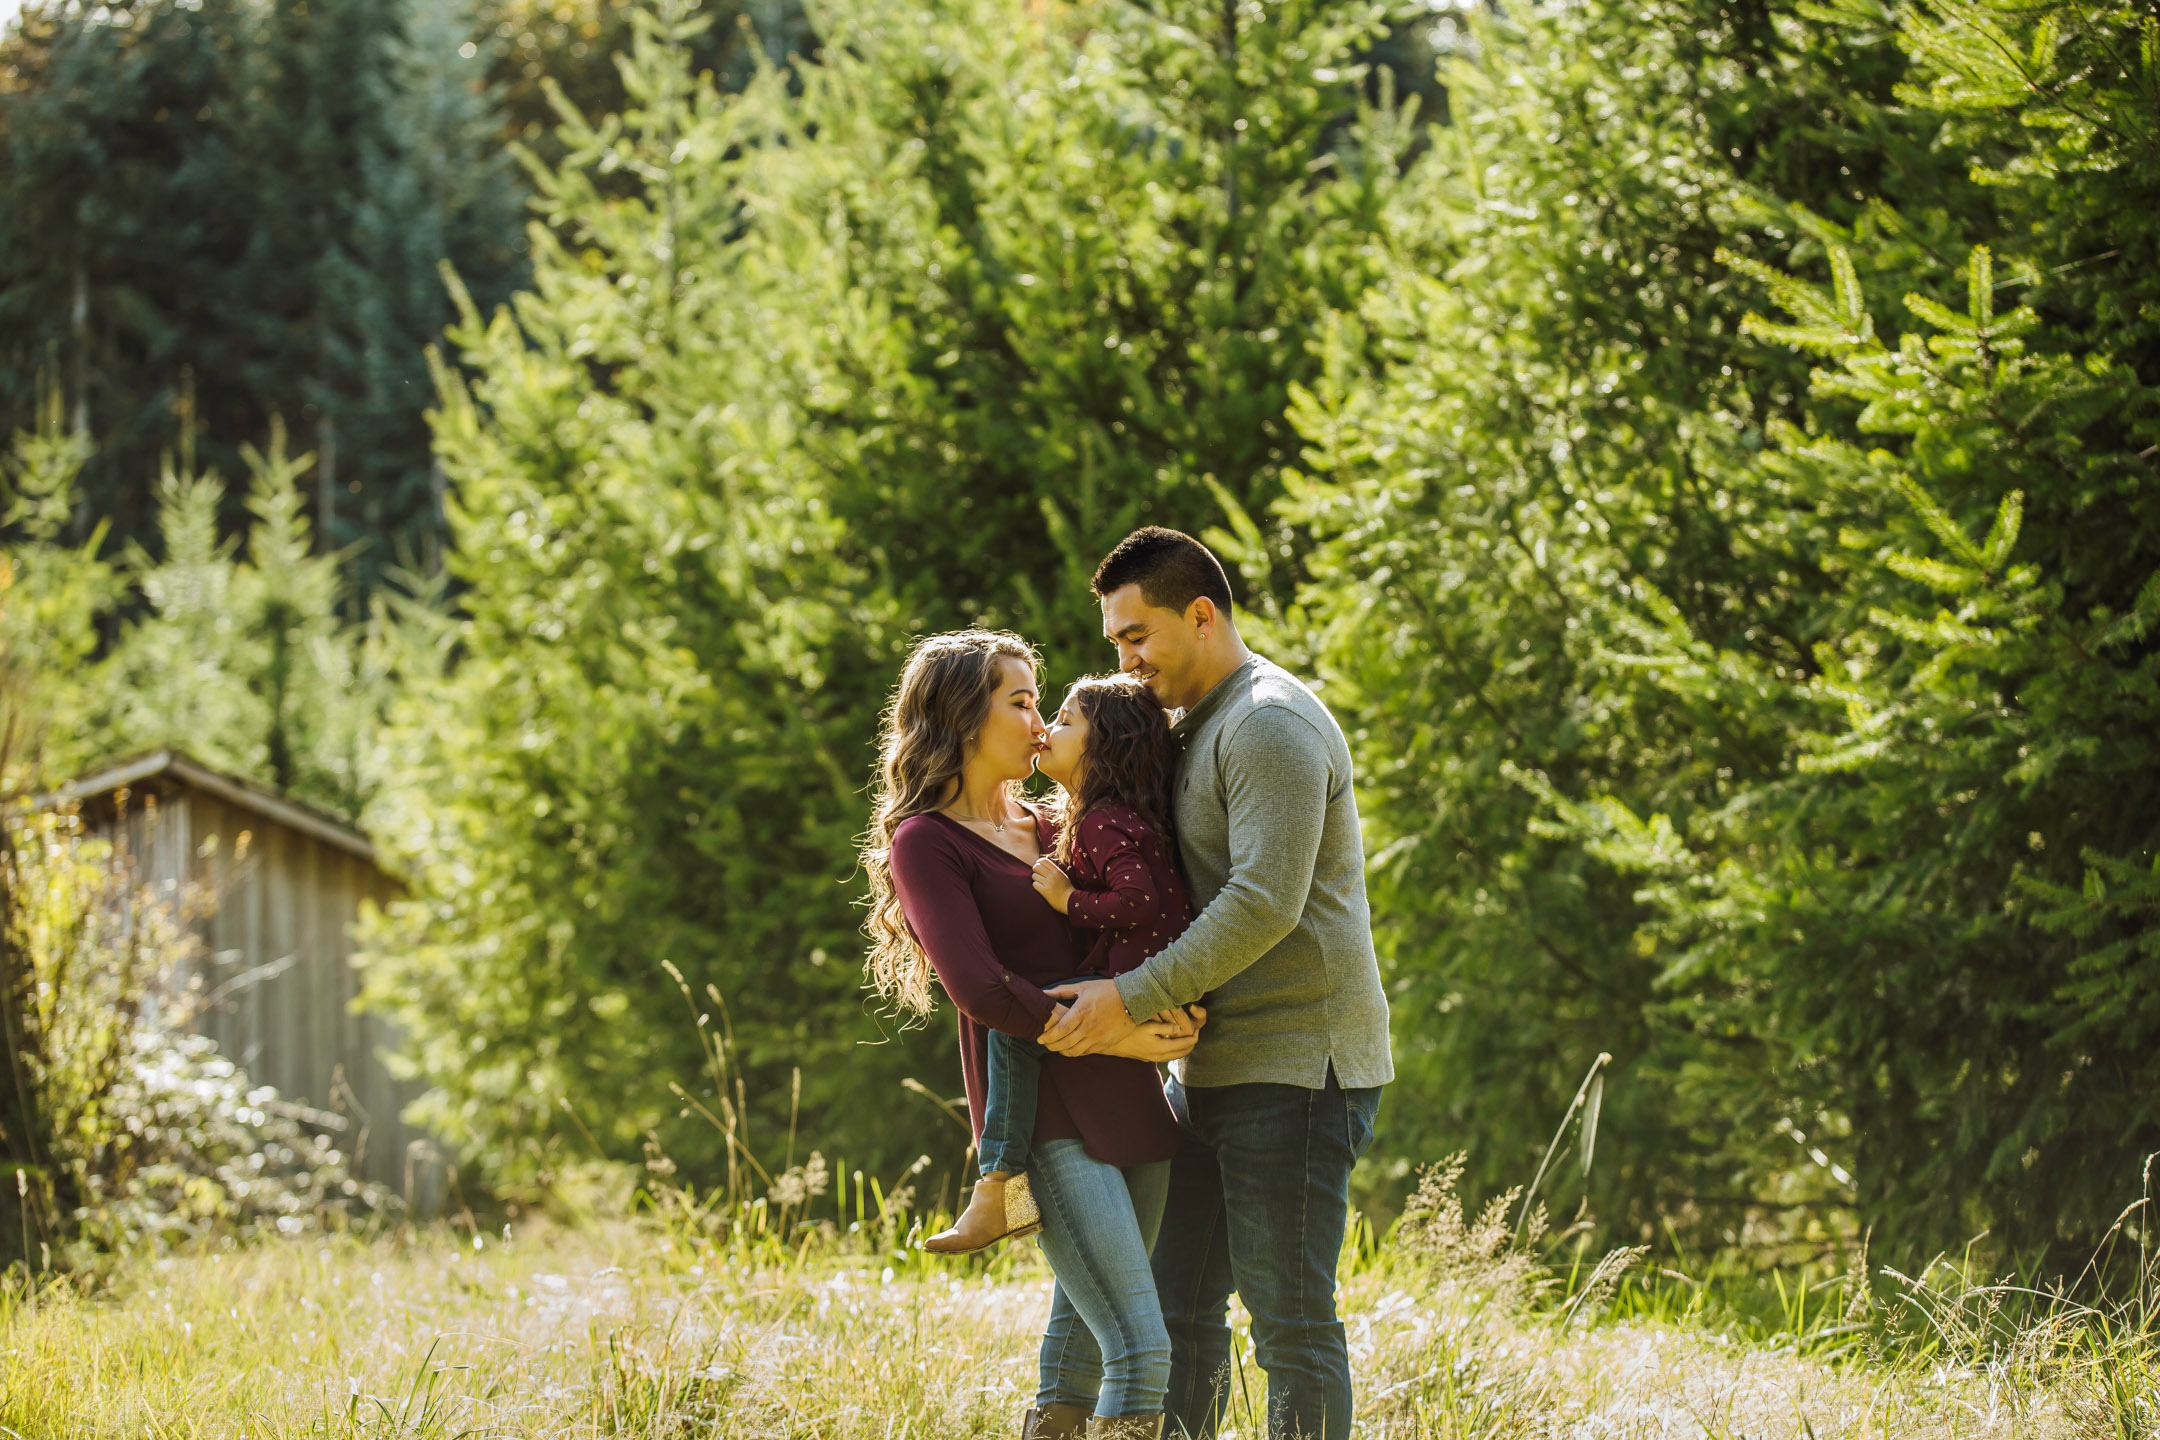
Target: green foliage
<point>1793,744</point>
<point>240,654</point>
<point>1089,293</point>
<point>1767,699</point>
<point>243,656</point>
<point>221,212</point>
<point>248,653</point>
<point>54,593</point>
<point>897,341</point>
<point>571,46</point>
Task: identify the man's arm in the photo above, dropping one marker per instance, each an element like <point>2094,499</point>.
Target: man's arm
<point>1275,774</point>
<point>1275,777</point>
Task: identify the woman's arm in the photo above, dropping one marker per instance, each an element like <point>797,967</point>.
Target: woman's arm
<point>931,880</point>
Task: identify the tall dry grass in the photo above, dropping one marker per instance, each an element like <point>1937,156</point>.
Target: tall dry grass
<point>672,1325</point>
<point>790,1301</point>
<point>1464,1334</point>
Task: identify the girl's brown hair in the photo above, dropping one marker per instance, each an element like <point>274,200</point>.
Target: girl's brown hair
<point>938,707</point>
<point>1131,759</point>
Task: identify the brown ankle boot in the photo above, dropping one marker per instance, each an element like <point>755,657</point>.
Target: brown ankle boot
<point>1056,1421</point>
<point>999,1209</point>
<point>1125,1427</point>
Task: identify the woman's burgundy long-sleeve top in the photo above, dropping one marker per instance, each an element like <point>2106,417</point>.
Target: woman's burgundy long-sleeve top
<point>996,944</point>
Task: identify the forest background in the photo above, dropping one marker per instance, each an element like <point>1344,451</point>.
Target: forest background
<point>1704,451</point>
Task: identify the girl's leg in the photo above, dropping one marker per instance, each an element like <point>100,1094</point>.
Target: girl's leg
<point>1093,1237</point>
<point>1011,1082</point>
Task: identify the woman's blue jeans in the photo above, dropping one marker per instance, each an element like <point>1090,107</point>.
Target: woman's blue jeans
<point>1105,1347</point>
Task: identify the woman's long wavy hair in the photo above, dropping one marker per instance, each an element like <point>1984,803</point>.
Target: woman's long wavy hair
<point>939,705</point>
<point>1131,759</point>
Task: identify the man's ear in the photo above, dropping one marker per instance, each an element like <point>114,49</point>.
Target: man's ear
<point>1201,615</point>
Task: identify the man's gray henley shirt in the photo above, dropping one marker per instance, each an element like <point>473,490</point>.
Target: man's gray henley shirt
<point>1268,829</point>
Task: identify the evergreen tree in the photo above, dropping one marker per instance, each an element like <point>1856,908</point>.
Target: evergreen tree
<point>1669,755</point>
<point>574,47</point>
<point>1556,407</point>
<point>248,202</point>
<point>436,186</point>
<point>126,198</point>
<point>240,654</point>
<point>648,749</point>
<point>898,341</point>
<point>1960,910</point>
<point>235,650</point>
<point>382,171</point>
<point>53,598</point>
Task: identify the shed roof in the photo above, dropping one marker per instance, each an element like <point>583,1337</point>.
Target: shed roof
<point>178,766</point>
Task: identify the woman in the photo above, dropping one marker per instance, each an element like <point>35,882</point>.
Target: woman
<point>951,857</point>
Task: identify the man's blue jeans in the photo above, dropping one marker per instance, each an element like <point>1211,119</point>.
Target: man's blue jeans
<point>1259,1200</point>
<point>1104,1347</point>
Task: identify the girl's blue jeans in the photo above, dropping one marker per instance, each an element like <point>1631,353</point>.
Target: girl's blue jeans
<point>1106,1347</point>
<point>1011,1082</point>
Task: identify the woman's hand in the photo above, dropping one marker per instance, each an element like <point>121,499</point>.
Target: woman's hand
<point>1169,1036</point>
<point>1052,883</point>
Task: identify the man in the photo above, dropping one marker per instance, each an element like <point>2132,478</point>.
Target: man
<point>1278,1099</point>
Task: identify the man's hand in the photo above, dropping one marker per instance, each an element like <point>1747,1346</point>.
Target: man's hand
<point>1052,883</point>
<point>1095,1022</point>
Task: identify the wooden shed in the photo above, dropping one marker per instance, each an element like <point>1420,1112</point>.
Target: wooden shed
<point>280,938</point>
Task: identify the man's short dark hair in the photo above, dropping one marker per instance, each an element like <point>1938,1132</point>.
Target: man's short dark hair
<point>1171,568</point>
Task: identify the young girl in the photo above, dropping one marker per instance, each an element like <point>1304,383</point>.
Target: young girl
<point>1114,874</point>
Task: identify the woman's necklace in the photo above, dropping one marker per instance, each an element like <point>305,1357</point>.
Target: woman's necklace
<point>997,825</point>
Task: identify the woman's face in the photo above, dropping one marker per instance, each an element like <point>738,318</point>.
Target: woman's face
<point>1012,732</point>
<point>1066,745</point>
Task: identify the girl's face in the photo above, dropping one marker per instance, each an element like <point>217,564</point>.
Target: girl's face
<point>1012,732</point>
<point>1066,747</point>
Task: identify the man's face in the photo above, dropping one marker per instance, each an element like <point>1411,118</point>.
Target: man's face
<point>1160,648</point>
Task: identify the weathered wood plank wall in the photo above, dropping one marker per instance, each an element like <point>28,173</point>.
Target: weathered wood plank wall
<point>279,966</point>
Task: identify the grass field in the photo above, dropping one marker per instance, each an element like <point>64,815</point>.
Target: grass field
<point>656,1328</point>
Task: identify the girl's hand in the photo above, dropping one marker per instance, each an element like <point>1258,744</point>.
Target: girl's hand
<point>1053,884</point>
